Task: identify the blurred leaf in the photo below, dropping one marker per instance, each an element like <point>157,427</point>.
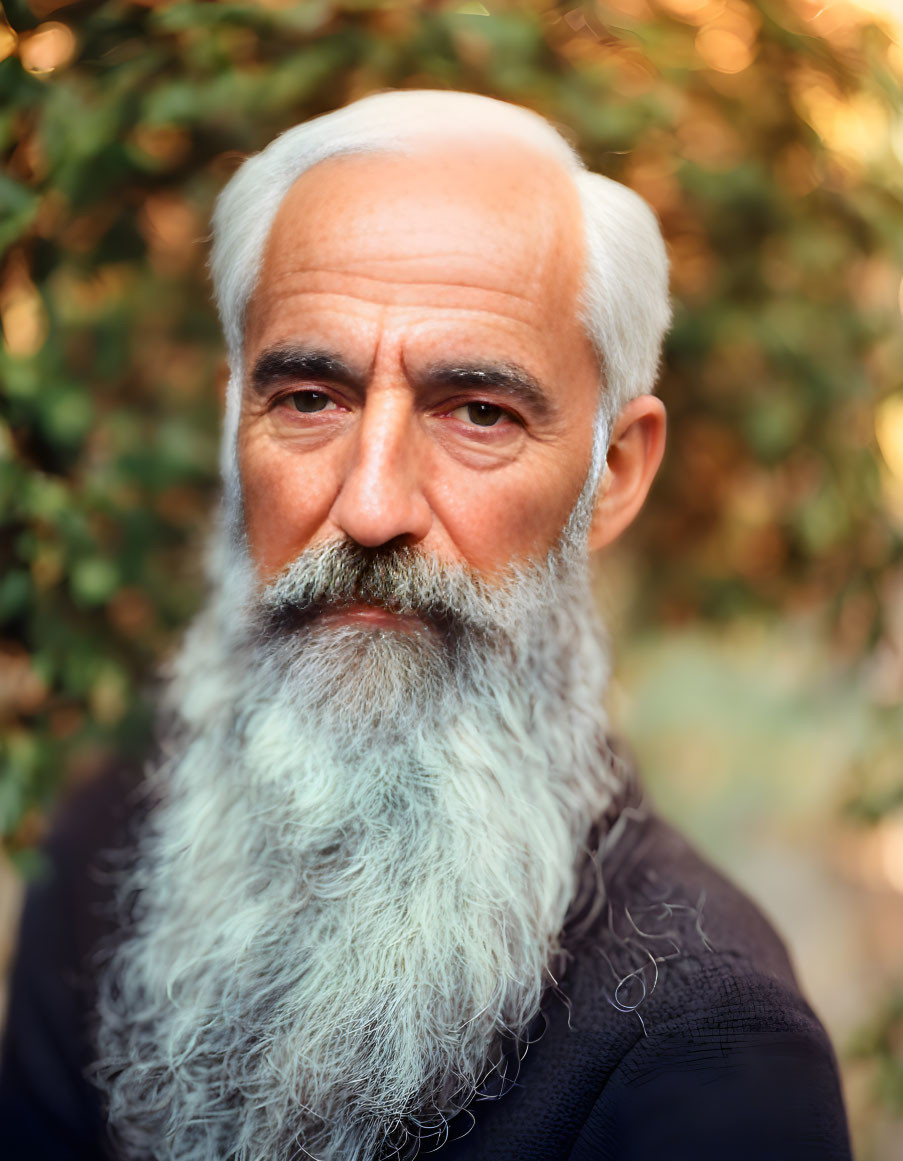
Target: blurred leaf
<point>18,206</point>
<point>94,580</point>
<point>780,193</point>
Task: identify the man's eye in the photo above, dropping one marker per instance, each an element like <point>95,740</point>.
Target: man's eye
<point>481,414</point>
<point>309,401</point>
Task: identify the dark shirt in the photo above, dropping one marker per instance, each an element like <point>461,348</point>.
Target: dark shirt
<point>677,1031</point>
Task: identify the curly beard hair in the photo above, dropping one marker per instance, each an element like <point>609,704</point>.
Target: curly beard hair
<point>347,897</point>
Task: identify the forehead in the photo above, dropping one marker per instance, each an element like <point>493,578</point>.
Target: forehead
<point>486,236</point>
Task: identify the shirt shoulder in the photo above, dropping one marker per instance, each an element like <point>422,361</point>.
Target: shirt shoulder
<point>47,1107</point>
<point>725,1057</point>
<point>676,1028</point>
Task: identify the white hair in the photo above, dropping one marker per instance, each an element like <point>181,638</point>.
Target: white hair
<point>348,900</point>
<point>624,303</point>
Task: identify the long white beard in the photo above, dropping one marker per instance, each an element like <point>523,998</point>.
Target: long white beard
<point>350,891</point>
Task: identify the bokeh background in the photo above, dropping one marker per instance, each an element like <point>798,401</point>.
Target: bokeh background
<point>757,608</point>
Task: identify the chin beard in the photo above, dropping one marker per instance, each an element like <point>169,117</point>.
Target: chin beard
<point>347,898</point>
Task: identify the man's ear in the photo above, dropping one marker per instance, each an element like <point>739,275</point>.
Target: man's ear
<point>634,454</point>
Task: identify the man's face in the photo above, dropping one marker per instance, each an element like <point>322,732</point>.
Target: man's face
<point>415,378</point>
<point>415,371</point>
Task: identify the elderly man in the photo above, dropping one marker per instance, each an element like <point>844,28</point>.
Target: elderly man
<point>387,846</point>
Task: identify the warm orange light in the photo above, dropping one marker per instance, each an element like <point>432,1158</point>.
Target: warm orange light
<point>724,50</point>
<point>891,10</point>
<point>693,11</point>
<point>48,48</point>
<point>166,144</point>
<point>832,18</point>
<point>21,689</point>
<point>708,139</point>
<point>856,128</point>
<point>638,9</point>
<point>22,314</point>
<point>726,40</point>
<point>172,231</point>
<point>890,843</point>
<point>8,41</point>
<point>889,432</point>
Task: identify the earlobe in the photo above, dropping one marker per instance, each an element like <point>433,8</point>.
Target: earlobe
<point>634,454</point>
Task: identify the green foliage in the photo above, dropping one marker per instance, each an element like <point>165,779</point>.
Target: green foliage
<point>760,131</point>
<point>122,121</point>
<point>882,1043</point>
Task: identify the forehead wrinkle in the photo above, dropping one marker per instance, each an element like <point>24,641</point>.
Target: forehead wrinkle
<point>477,350</point>
<point>454,256</point>
<point>368,243</point>
<point>290,319</point>
<point>274,281</point>
<point>354,214</point>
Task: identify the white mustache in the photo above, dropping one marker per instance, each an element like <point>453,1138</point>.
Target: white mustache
<point>402,580</point>
<point>363,858</point>
<point>447,595</point>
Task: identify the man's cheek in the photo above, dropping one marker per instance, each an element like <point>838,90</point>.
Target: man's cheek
<point>285,503</point>
<point>517,526</point>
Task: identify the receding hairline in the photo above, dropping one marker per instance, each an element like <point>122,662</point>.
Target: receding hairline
<point>513,135</point>
<point>498,192</point>
<point>624,306</point>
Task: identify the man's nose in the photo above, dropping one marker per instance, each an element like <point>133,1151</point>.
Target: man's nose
<point>381,497</point>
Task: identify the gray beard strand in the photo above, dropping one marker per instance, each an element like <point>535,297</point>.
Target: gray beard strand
<point>352,887</point>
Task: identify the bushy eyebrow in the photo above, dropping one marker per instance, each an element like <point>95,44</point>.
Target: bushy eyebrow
<point>282,364</point>
<point>506,379</point>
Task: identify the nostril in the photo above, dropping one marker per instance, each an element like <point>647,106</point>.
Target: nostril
<point>374,516</point>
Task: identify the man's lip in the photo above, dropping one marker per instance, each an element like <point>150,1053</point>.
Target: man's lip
<point>376,616</point>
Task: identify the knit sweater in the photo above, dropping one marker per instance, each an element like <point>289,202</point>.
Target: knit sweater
<point>675,1031</point>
